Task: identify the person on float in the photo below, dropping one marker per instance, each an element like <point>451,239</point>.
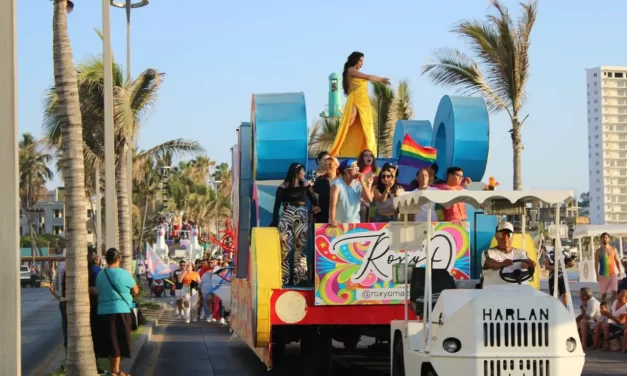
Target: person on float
<point>347,191</point>
<point>421,183</point>
<point>356,131</point>
<point>384,192</point>
<point>321,159</point>
<point>455,181</point>
<point>322,188</point>
<point>293,224</point>
<point>502,257</point>
<point>368,166</point>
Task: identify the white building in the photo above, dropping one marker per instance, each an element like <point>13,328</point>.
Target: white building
<point>48,216</point>
<point>607,144</point>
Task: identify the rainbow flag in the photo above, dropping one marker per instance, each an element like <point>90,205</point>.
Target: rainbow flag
<point>413,157</point>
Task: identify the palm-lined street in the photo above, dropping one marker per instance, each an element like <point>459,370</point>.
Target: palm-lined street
<point>42,337</point>
<point>97,168</point>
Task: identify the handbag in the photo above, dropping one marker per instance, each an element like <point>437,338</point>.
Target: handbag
<point>136,315</point>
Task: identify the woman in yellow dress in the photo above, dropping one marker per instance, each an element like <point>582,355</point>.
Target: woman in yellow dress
<point>356,132</point>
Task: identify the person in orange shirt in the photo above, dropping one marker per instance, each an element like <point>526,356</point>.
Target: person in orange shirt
<point>455,181</point>
<point>190,280</point>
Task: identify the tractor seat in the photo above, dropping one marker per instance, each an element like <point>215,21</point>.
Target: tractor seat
<point>441,280</point>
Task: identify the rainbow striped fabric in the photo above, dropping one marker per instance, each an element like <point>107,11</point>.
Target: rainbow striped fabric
<point>415,155</point>
<point>412,158</point>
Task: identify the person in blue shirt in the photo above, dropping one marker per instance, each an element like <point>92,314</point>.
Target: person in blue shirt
<point>347,191</point>
<point>116,288</point>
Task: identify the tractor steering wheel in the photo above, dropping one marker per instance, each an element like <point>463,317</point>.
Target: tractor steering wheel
<point>517,276</point>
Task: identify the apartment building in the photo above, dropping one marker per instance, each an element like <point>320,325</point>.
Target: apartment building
<point>48,216</point>
<point>607,144</point>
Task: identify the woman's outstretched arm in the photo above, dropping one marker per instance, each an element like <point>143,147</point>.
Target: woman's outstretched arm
<point>352,72</point>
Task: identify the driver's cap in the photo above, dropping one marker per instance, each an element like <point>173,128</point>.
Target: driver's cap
<point>505,226</point>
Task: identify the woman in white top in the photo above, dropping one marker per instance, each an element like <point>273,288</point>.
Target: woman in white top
<point>384,192</point>
<point>422,177</point>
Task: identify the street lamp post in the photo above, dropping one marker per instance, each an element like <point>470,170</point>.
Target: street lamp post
<point>10,323</point>
<point>128,5</point>
<point>110,238</point>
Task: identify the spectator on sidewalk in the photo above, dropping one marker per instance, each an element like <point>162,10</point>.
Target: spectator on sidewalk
<point>93,264</point>
<point>590,314</point>
<point>57,289</point>
<point>607,266</point>
<point>116,288</point>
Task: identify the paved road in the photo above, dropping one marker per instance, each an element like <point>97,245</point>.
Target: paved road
<point>41,328</point>
<point>193,348</point>
<point>209,349</point>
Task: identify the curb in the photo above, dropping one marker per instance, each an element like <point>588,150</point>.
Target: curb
<point>141,340</point>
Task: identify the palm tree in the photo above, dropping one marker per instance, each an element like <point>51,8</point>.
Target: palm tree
<point>380,100</point>
<point>400,109</point>
<point>80,353</point>
<point>322,134</point>
<point>146,190</point>
<point>502,48</point>
<point>132,103</point>
<point>34,171</point>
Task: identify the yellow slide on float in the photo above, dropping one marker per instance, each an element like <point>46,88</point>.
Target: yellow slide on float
<point>265,275</point>
<point>530,247</point>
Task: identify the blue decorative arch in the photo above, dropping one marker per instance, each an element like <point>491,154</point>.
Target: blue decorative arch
<point>419,130</point>
<point>461,135</point>
<point>279,123</point>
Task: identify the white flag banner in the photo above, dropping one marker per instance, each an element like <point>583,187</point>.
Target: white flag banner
<point>156,266</point>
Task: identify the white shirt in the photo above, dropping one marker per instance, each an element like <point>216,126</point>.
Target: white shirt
<point>58,280</point>
<point>492,277</point>
<point>617,312</point>
<point>593,309</point>
<point>422,216</point>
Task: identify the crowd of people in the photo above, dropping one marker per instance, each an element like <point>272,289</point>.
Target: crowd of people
<point>353,191</point>
<point>194,291</point>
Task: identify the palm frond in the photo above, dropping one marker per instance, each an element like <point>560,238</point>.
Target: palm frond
<point>453,68</point>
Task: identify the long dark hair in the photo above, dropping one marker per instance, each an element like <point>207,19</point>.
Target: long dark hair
<point>392,171</point>
<point>361,161</point>
<point>352,60</point>
<point>292,173</point>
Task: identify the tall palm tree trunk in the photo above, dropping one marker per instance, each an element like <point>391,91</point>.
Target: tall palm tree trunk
<point>80,353</point>
<point>124,210</point>
<point>517,148</point>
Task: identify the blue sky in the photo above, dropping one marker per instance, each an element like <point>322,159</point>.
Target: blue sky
<point>216,54</point>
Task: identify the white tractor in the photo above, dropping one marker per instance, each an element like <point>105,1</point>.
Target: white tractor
<point>508,329</point>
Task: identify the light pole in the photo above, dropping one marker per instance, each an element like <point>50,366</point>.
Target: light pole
<point>10,322</point>
<point>110,238</point>
<point>128,5</point>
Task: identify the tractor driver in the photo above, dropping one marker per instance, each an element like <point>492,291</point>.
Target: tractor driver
<point>499,261</point>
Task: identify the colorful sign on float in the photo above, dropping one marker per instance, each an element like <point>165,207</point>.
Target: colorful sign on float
<point>355,266</point>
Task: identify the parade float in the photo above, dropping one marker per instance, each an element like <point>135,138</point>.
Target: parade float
<point>351,267</point>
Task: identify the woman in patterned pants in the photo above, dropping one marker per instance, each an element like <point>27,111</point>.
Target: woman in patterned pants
<point>293,223</point>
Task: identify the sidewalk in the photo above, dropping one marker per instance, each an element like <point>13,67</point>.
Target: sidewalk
<point>197,348</point>
<point>152,316</point>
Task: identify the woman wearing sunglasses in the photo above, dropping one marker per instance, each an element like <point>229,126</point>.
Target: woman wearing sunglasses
<point>384,192</point>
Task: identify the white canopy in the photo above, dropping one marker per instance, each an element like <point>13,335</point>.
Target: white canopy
<point>584,231</point>
<point>412,202</point>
